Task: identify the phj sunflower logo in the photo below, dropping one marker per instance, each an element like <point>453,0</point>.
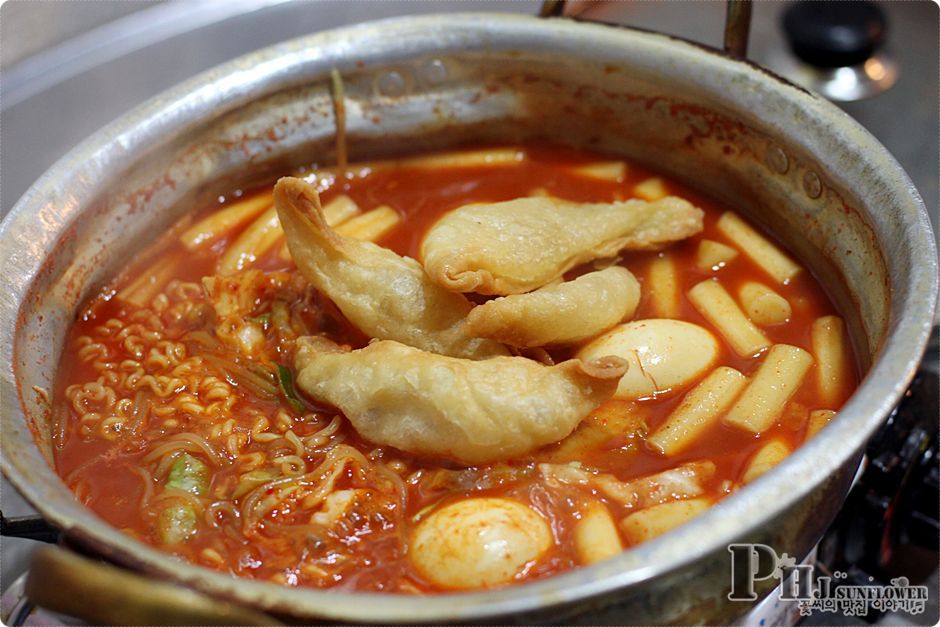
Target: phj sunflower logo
<point>751,563</point>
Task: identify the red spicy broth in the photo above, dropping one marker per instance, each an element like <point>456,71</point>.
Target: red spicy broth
<point>167,432</point>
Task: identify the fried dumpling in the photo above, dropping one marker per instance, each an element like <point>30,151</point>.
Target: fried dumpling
<point>469,411</point>
<point>559,314</point>
<point>383,294</point>
<point>520,245</point>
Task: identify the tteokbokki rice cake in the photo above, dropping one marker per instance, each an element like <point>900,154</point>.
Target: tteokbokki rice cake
<point>444,372</point>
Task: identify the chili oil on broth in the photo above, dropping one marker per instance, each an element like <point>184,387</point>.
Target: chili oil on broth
<point>168,432</point>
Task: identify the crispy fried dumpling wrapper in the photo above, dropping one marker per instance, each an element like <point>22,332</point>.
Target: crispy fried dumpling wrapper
<point>469,411</point>
<point>520,245</point>
<point>559,314</point>
<point>386,296</point>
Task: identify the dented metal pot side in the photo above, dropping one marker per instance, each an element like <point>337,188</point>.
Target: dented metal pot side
<point>785,157</point>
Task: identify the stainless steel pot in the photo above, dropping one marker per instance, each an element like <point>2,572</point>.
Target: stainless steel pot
<point>785,157</point>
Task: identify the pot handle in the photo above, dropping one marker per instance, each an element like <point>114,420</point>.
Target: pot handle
<point>102,594</point>
<point>737,23</point>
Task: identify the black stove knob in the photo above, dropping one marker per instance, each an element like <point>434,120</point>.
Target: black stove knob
<point>836,33</point>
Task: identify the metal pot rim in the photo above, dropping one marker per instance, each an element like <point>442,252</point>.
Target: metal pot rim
<point>246,78</point>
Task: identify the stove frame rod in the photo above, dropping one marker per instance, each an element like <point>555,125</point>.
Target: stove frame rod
<point>737,23</point>
<point>29,527</point>
<point>737,27</point>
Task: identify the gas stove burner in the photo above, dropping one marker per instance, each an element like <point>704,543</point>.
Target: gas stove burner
<point>889,525</point>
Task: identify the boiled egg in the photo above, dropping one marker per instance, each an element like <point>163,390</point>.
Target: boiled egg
<point>662,355</point>
<point>478,542</point>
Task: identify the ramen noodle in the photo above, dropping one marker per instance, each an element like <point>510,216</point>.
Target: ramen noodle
<point>184,417</point>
